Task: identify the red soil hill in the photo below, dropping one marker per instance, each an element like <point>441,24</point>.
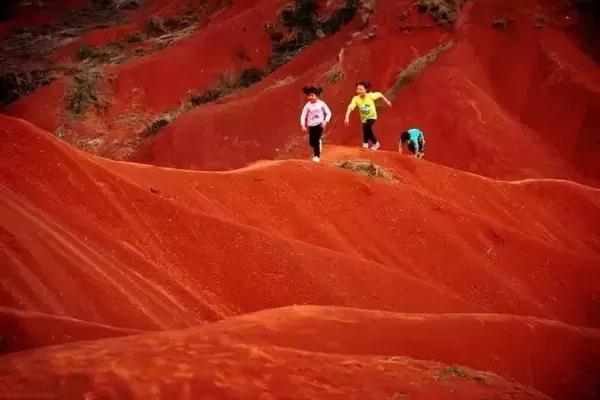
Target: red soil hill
<point>204,246</point>
<point>482,104</point>
<point>506,103</point>
<point>323,352</point>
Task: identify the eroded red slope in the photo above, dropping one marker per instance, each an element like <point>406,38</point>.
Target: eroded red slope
<point>323,352</point>
<point>507,103</point>
<point>175,247</point>
<point>22,330</point>
<point>338,349</point>
<point>143,88</point>
<point>165,264</point>
<point>144,247</point>
<point>483,104</point>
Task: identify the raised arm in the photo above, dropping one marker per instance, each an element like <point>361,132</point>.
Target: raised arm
<point>389,103</point>
<point>378,95</point>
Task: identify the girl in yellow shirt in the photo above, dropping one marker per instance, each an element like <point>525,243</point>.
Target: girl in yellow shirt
<point>365,101</point>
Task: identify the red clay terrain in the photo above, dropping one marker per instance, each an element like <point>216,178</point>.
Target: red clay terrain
<point>510,103</point>
<point>516,102</point>
<point>140,247</point>
<point>216,263</point>
<point>21,330</point>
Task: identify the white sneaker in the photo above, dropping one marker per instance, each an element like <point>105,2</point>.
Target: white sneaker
<point>365,145</point>
<point>316,159</point>
<point>376,146</point>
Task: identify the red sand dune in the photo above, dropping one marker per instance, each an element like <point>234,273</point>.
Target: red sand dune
<point>201,240</point>
<point>148,248</point>
<point>323,352</point>
<point>296,280</point>
<point>23,330</point>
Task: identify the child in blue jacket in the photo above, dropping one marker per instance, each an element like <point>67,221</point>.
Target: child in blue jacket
<point>414,139</point>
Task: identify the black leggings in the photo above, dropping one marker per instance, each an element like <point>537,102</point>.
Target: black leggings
<point>368,135</point>
<point>314,139</point>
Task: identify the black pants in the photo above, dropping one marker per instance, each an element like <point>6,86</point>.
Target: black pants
<point>314,139</point>
<point>368,135</point>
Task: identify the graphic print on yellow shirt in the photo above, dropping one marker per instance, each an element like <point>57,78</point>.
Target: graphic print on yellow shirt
<point>366,105</point>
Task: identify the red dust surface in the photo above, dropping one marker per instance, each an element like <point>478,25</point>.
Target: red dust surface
<point>513,103</point>
<point>519,102</point>
<point>23,330</point>
<point>141,247</point>
<point>471,274</point>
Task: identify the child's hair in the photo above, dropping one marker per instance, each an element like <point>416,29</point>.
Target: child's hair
<point>312,90</point>
<point>364,84</point>
<point>404,136</point>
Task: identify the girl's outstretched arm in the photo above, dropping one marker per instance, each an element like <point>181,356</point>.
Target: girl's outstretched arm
<point>389,103</point>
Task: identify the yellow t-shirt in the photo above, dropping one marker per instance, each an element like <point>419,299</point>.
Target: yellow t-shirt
<point>366,105</point>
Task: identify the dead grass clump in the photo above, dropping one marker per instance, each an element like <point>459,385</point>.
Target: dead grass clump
<point>445,12</point>
<point>15,84</point>
<point>334,75</point>
<point>84,93</point>
<point>453,371</point>
<point>367,168</point>
<point>155,26</point>
<point>157,124</point>
<point>414,68</point>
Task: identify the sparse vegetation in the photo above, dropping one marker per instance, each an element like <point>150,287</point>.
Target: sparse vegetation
<point>84,93</point>
<point>130,4</point>
<point>135,37</point>
<point>250,76</point>
<point>159,123</point>
<point>334,75</point>
<point>301,26</point>
<point>155,26</point>
<point>367,168</point>
<point>207,96</point>
<point>447,372</point>
<point>113,53</point>
<point>84,52</point>
<point>226,84</point>
<point>32,47</point>
<point>414,68</point>
<point>61,132</point>
<point>445,12</point>
<point>15,84</point>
